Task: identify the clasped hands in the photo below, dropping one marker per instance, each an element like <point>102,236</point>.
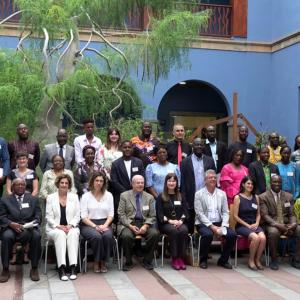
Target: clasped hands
<point>138,231</point>
<point>286,229</point>
<point>175,223</point>
<point>65,228</point>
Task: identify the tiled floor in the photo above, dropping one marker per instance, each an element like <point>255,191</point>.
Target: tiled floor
<point>162,283</point>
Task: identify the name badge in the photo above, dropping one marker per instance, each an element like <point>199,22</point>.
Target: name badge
<point>145,207</point>
<point>287,204</point>
<point>290,173</point>
<point>25,205</point>
<point>135,169</point>
<point>1,172</point>
<point>249,150</point>
<point>273,174</point>
<point>31,156</point>
<point>254,205</point>
<point>216,157</point>
<point>29,176</point>
<point>184,154</point>
<point>0,147</point>
<point>177,202</point>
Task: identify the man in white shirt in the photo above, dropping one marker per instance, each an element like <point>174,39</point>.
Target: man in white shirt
<point>86,139</point>
<point>212,218</point>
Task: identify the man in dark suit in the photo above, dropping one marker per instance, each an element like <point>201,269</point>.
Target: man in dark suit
<point>61,148</point>
<point>277,213</point>
<point>261,171</point>
<point>193,176</point>
<point>215,149</point>
<point>242,144</point>
<point>122,171</point>
<point>4,164</point>
<point>20,216</point>
<point>136,217</point>
<point>178,149</point>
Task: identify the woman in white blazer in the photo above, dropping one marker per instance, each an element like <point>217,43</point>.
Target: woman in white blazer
<point>63,216</point>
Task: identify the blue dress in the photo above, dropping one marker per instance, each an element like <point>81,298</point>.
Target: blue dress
<point>247,212</point>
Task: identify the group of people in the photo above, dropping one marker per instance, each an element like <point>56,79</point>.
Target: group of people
<point>141,188</point>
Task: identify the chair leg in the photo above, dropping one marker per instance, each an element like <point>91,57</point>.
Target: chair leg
<point>162,250</point>
<point>79,257</point>
<point>46,257</point>
<point>85,256</point>
<point>198,251</point>
<point>192,248</point>
<point>118,256</point>
<point>235,252</point>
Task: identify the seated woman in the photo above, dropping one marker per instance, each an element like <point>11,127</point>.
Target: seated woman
<point>171,215</point>
<point>63,216</point>
<point>48,185</point>
<point>247,215</point>
<point>30,177</point>
<point>97,212</point>
<point>86,169</point>
<point>32,186</point>
<point>157,171</point>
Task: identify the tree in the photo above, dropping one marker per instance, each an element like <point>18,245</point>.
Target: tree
<point>170,29</point>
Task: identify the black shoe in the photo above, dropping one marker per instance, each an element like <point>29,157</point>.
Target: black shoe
<point>73,274</point>
<point>4,275</point>
<point>147,265</point>
<point>253,268</point>
<point>203,264</point>
<point>225,265</point>
<point>34,274</point>
<point>127,266</point>
<point>295,264</point>
<point>274,265</point>
<point>62,273</point>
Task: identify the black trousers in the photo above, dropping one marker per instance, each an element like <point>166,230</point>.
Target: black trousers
<point>191,220</point>
<point>207,237</point>
<point>177,238</point>
<point>128,239</point>
<point>9,237</point>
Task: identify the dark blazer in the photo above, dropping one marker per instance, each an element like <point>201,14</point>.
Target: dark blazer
<point>172,149</point>
<point>119,180</point>
<point>50,151</point>
<point>268,208</point>
<point>187,185</point>
<point>257,173</point>
<point>10,210</point>
<point>221,152</point>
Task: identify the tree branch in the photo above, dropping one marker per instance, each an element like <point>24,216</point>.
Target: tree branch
<point>100,54</point>
<point>45,47</point>
<point>117,106</point>
<point>11,16</point>
<point>57,47</point>
<point>87,44</point>
<point>64,53</point>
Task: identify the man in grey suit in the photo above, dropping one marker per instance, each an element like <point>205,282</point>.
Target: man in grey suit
<point>212,218</point>
<point>277,213</point>
<point>20,217</point>
<point>136,216</point>
<point>61,148</point>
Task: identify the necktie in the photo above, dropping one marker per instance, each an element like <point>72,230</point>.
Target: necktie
<point>19,198</point>
<point>61,152</point>
<point>279,210</point>
<point>138,214</point>
<point>179,154</point>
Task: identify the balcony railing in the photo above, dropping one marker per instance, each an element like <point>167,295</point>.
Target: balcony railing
<point>219,24</point>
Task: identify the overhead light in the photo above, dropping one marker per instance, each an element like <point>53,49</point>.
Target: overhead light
<point>182,82</point>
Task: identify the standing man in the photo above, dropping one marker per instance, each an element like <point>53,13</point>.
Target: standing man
<point>61,148</point>
<point>144,144</point>
<point>215,149</point>
<point>16,210</point>
<point>86,139</point>
<point>242,144</point>
<point>4,164</point>
<point>212,218</point>
<point>136,217</point>
<point>178,149</point>
<point>261,171</point>
<point>193,170</point>
<point>277,213</point>
<point>274,148</point>
<point>24,145</point>
<point>123,170</point>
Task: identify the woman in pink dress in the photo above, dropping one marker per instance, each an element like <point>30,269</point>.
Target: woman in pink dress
<point>230,180</point>
<point>232,175</point>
